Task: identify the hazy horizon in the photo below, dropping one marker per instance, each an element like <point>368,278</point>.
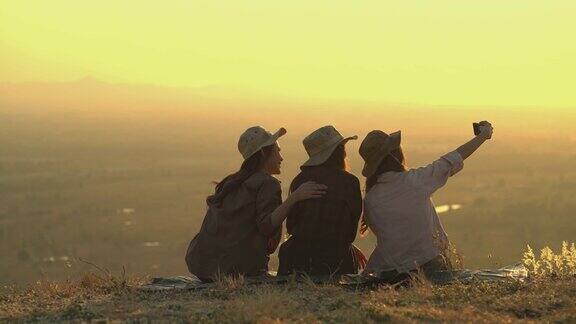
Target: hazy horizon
<point>117,174</point>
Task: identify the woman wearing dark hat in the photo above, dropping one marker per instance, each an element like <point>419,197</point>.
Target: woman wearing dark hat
<point>398,208</point>
<point>243,223</point>
<point>322,230</point>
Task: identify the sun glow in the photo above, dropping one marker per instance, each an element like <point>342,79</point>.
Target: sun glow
<point>510,53</point>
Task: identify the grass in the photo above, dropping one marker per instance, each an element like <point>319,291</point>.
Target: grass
<point>545,296</point>
<point>550,264</point>
<point>93,299</point>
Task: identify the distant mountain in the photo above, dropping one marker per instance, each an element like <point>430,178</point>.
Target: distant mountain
<point>90,94</point>
<point>90,98</point>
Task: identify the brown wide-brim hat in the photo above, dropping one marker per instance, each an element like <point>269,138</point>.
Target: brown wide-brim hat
<point>375,147</point>
<point>255,138</point>
<point>321,143</point>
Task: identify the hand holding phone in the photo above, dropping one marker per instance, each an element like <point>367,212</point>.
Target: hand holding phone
<point>483,124</point>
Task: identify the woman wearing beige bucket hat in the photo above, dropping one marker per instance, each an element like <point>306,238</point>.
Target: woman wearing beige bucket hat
<point>322,230</point>
<point>243,222</point>
<point>398,207</point>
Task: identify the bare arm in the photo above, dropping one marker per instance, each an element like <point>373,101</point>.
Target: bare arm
<point>307,190</point>
<point>472,145</point>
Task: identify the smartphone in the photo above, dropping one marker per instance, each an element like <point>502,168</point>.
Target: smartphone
<point>476,127</point>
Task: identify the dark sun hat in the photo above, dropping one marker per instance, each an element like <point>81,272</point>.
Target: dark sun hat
<point>375,147</point>
<point>321,143</point>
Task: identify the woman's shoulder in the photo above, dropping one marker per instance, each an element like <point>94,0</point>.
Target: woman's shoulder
<point>346,181</point>
<point>299,179</point>
<point>348,176</point>
<point>260,179</point>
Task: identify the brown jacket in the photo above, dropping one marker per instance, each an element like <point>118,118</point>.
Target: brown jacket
<point>238,236</point>
<point>322,230</point>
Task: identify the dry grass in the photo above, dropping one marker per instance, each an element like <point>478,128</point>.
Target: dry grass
<point>551,264</point>
<point>93,298</point>
<point>549,295</point>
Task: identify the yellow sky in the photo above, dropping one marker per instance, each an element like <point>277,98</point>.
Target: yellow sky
<point>441,52</point>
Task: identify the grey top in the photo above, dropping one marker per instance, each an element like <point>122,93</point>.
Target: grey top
<point>237,236</point>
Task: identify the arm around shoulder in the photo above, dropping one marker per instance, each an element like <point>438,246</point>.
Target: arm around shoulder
<point>308,190</point>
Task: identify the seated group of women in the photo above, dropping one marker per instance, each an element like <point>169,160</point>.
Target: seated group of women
<point>243,222</point>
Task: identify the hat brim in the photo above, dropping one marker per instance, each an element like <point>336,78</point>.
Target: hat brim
<point>325,154</point>
<point>281,132</point>
<point>392,142</point>
<point>272,140</point>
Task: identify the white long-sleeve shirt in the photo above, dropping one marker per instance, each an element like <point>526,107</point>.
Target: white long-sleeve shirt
<point>401,214</point>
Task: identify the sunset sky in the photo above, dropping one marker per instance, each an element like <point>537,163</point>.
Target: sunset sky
<point>437,52</point>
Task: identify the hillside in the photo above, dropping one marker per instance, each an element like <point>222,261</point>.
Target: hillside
<point>550,300</point>
<point>547,294</point>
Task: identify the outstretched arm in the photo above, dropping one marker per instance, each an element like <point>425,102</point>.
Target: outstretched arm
<point>433,176</point>
<point>472,145</point>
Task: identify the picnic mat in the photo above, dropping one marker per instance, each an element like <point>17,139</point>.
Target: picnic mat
<point>516,272</point>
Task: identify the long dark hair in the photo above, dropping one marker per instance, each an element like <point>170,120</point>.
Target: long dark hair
<point>395,161</point>
<point>337,159</point>
<point>233,181</point>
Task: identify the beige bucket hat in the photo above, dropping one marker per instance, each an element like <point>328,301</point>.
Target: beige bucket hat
<point>375,147</point>
<point>255,138</point>
<point>321,143</point>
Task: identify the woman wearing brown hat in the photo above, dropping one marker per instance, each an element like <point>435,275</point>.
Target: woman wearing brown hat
<point>243,223</point>
<point>398,208</point>
<point>322,230</point>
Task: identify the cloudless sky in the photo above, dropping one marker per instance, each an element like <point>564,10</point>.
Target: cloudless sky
<point>442,52</point>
